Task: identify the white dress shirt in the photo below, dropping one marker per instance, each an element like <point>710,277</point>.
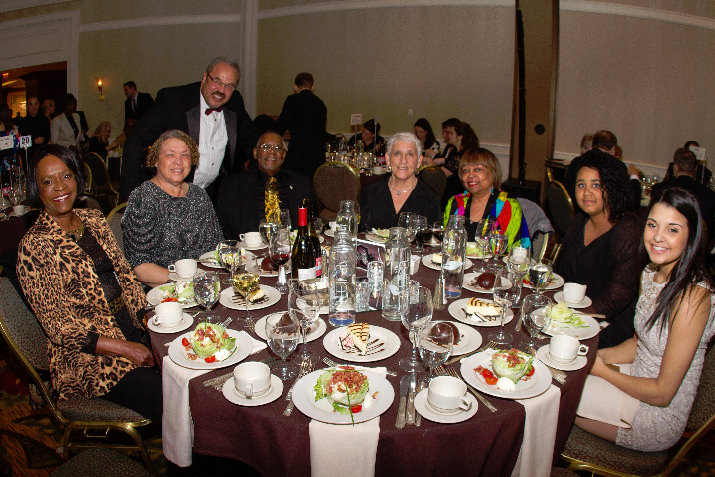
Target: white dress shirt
<point>213,139</point>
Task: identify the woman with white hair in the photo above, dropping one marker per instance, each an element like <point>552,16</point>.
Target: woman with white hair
<point>401,191</point>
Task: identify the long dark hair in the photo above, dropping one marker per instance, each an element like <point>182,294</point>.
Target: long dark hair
<point>430,139</point>
<point>64,154</point>
<point>614,181</point>
<point>690,267</point>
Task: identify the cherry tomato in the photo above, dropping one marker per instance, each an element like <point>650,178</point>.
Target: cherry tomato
<point>492,380</point>
<point>210,359</point>
<point>185,342</point>
<point>169,299</point>
<point>531,372</point>
<point>356,409</point>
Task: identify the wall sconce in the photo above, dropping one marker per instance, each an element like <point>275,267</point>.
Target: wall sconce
<point>99,87</point>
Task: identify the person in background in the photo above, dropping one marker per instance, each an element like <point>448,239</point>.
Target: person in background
<point>65,127</point>
<point>586,143</point>
<point>480,174</point>
<point>430,146</point>
<point>601,248</point>
<point>136,103</point>
<point>674,322</point>
<point>465,141</point>
<point>84,293</point>
<point>248,188</point>
<point>370,137</point>
<point>99,142</point>
<point>8,157</point>
<point>35,125</point>
<point>48,109</point>
<point>702,176</point>
<point>304,114</point>
<point>167,218</point>
<point>401,191</point>
<point>449,159</point>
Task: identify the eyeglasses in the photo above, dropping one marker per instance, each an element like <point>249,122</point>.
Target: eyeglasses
<point>221,84</point>
<point>270,147</point>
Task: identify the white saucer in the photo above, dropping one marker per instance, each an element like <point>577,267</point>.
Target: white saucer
<point>175,278</point>
<point>430,414</point>
<point>230,393</point>
<point>257,247</point>
<point>543,355</point>
<point>585,303</point>
<point>185,322</point>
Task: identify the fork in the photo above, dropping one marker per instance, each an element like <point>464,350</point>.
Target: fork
<point>305,368</point>
<point>452,372</point>
<point>333,364</point>
<point>227,322</point>
<point>491,344</point>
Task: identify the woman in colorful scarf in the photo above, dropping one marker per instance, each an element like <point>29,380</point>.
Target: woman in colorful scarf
<point>480,174</point>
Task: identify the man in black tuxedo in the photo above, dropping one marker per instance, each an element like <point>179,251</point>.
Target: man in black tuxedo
<point>136,103</point>
<point>211,112</point>
<point>304,115</point>
<point>241,200</point>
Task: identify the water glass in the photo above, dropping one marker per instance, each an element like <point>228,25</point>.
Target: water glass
<point>206,292</point>
<point>540,274</point>
<point>268,231</point>
<point>520,260</point>
<point>285,219</point>
<point>417,314</point>
<point>408,221</point>
<point>229,254</point>
<point>535,312</point>
<point>506,293</point>
<point>282,334</point>
<point>304,308</point>
<point>484,229</point>
<point>435,345</point>
<point>245,283</point>
<point>375,271</point>
<point>423,233</point>
<point>362,295</point>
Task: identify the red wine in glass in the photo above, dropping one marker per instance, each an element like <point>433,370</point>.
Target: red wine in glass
<point>424,236</point>
<point>279,259</point>
<point>438,234</point>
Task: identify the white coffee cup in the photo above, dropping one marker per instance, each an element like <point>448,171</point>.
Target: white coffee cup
<point>447,394</point>
<point>19,209</point>
<point>565,348</point>
<point>184,268</point>
<point>333,224</point>
<point>168,314</point>
<point>252,379</point>
<point>377,170</point>
<point>251,239</point>
<point>574,293</point>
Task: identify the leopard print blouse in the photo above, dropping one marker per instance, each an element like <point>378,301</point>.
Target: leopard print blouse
<point>66,295</point>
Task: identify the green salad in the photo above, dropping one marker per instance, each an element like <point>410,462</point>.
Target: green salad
<point>563,316</point>
<point>182,291</point>
<point>345,388</point>
<point>208,339</point>
<point>511,363</point>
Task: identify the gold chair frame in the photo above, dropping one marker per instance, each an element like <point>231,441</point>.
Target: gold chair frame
<point>110,191</point>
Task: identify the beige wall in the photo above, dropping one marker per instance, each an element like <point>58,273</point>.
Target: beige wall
<point>647,80</point>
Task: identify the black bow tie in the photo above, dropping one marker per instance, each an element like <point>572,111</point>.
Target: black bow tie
<point>211,110</point>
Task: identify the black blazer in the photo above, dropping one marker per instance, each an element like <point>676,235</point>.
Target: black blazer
<point>179,107</point>
<point>304,115</point>
<point>144,102</point>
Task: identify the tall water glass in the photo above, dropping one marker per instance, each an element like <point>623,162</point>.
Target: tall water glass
<point>304,307</point>
<point>423,233</point>
<point>408,221</point>
<point>520,260</point>
<point>206,292</point>
<point>498,244</point>
<point>285,219</point>
<point>506,292</point>
<point>535,314</point>
<point>435,345</point>
<point>454,251</point>
<point>484,229</point>
<point>229,254</point>
<point>540,274</point>
<point>347,219</point>
<point>245,283</point>
<point>417,315</point>
<point>268,231</point>
<point>282,334</point>
<point>396,273</point>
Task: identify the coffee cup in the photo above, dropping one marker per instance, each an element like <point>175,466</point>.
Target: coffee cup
<point>574,293</point>
<point>184,268</point>
<point>252,379</point>
<point>168,314</point>
<point>447,394</point>
<point>333,224</point>
<point>19,209</point>
<point>564,349</point>
<point>251,239</point>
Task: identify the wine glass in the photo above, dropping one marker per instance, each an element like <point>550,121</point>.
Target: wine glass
<point>279,250</point>
<point>540,274</point>
<point>435,345</point>
<point>506,292</point>
<point>282,334</point>
<point>304,308</point>
<point>438,231</point>
<point>268,230</point>
<point>484,228</point>
<point>229,254</point>
<point>245,283</point>
<point>520,259</point>
<point>423,233</point>
<point>408,220</point>
<point>206,291</point>
<point>417,314</point>
<point>535,311</point>
<point>498,243</point>
<point>285,219</point>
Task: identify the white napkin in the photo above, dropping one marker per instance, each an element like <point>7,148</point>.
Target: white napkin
<point>537,448</point>
<point>177,427</point>
<point>602,401</point>
<point>329,441</point>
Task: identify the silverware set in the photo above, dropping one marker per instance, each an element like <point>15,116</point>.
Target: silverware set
<point>406,408</point>
<point>305,368</point>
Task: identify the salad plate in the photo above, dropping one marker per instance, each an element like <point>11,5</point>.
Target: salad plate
<point>175,278</point>
<point>556,281</point>
<point>428,412</point>
<point>244,346</point>
<point>318,328</point>
<point>427,262</point>
<point>378,399</point>
<point>585,303</point>
<point>208,259</point>
<point>470,283</point>
<point>469,340</point>
<point>581,327</point>
<point>388,342</point>
<point>186,321</point>
<point>229,392</point>
<point>226,299</point>
<point>457,310</point>
<point>537,384</point>
<point>578,363</point>
<point>157,294</point>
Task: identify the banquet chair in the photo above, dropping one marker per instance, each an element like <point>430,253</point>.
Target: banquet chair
<point>332,183</point>
<point>560,207</point>
<point>112,463</point>
<point>94,418</point>
<point>102,187</point>
<point>585,451</point>
<point>87,176</point>
<point>114,219</point>
<point>434,177</point>
<point>540,228</point>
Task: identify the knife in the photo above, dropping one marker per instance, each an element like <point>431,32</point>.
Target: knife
<point>404,388</point>
<point>410,419</point>
<point>418,416</point>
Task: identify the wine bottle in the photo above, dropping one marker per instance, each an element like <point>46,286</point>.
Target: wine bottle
<point>314,239</point>
<point>303,255</point>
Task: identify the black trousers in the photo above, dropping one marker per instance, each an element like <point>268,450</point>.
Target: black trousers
<point>140,391</point>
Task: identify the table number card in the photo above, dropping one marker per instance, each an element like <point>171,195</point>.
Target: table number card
<point>26,141</point>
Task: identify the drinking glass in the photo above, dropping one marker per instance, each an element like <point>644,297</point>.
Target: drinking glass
<point>423,233</point>
<point>498,243</point>
<point>540,274</point>
<point>506,292</point>
<point>438,231</point>
<point>318,225</point>
<point>520,260</point>
<point>267,230</point>
<point>535,311</point>
<point>282,334</point>
<point>435,345</point>
<point>279,250</point>
<point>304,307</point>
<point>484,229</point>
<point>229,254</point>
<point>408,220</point>
<point>206,291</point>
<point>285,219</point>
<point>417,314</point>
<point>245,283</point>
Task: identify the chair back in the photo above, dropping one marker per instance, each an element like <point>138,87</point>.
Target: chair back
<point>560,207</point>
<point>332,183</point>
<point>21,327</point>
<point>102,187</point>
<point>540,227</point>
<point>88,177</point>
<point>114,219</point>
<point>704,404</point>
<point>435,178</point>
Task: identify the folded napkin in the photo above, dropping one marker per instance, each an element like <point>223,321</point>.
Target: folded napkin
<point>602,401</point>
<point>177,428</point>
<point>329,441</point>
<point>537,448</point>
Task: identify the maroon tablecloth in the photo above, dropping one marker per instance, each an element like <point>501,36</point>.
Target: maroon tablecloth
<point>273,444</point>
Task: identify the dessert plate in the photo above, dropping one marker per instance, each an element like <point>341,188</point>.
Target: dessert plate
<point>470,340</point>
<point>244,346</point>
<point>457,310</point>
<point>186,321</point>
<point>229,392</point>
<point>316,332</point>
<point>226,298</point>
<point>585,303</point>
<point>429,413</point>
<point>470,283</point>
<point>383,343</point>
<point>538,383</point>
<point>543,354</point>
<point>427,262</point>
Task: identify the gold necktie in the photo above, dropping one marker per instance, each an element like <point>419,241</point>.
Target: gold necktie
<point>273,202</point>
